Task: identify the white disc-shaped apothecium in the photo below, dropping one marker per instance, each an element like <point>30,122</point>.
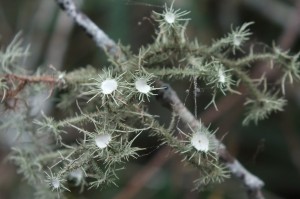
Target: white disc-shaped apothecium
<point>221,76</point>
<point>237,41</point>
<point>102,140</point>
<point>108,86</point>
<point>200,141</point>
<point>142,86</point>
<point>55,183</point>
<point>170,17</point>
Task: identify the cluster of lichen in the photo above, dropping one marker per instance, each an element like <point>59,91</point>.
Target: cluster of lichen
<point>111,100</point>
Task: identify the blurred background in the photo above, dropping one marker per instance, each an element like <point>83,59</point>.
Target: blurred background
<point>270,150</point>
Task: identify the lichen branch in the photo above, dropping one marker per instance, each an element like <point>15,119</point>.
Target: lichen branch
<point>170,99</point>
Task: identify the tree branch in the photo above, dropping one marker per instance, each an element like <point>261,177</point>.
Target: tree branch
<point>99,37</point>
<point>170,99</point>
<point>32,79</point>
<point>278,11</point>
<point>24,80</point>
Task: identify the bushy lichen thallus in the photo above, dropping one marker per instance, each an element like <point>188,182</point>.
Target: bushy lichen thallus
<point>112,113</point>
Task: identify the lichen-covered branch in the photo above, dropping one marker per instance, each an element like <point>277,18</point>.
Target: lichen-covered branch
<point>111,101</point>
<point>170,99</point>
<point>98,35</point>
<point>168,95</point>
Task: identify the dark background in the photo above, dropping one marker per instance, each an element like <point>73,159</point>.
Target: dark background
<point>271,149</point>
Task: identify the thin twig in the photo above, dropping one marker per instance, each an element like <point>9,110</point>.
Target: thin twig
<point>138,181</point>
<point>291,136</point>
<point>291,30</point>
<point>278,11</point>
<point>100,38</point>
<point>252,183</point>
<point>32,79</point>
<point>169,97</point>
<point>24,80</point>
<point>289,20</point>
